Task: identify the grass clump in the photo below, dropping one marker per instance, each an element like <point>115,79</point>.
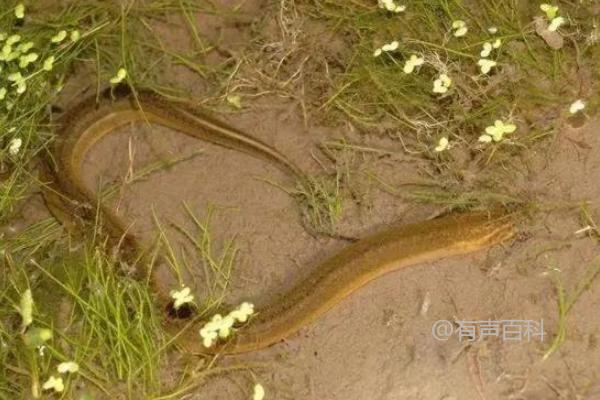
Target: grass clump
<point>85,306</point>
<point>321,202</point>
<point>49,47</point>
<point>460,82</point>
<point>566,302</point>
<point>217,263</point>
<point>83,310</point>
<point>519,80</point>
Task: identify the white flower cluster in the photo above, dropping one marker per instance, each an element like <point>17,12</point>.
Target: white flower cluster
<point>21,60</point>
<point>18,58</point>
<point>220,327</point>
<point>57,384</point>
<point>497,131</point>
<point>443,82</point>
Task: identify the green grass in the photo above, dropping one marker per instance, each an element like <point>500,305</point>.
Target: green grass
<point>321,203</point>
<point>111,38</point>
<point>99,316</point>
<point>565,301</point>
<point>217,262</point>
<point>533,85</point>
<point>374,91</point>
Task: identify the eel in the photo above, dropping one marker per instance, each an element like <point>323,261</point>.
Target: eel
<point>397,247</point>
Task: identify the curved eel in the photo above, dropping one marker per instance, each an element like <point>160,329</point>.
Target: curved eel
<point>331,281</point>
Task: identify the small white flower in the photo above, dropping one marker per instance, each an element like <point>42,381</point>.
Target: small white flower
<point>21,87</point>
<point>210,331</point>
<point>556,23</point>
<point>386,47</point>
<point>391,6</point>
<point>59,37</point>
<point>486,65</point>
<point>438,87</point>
<point>12,39</point>
<point>121,74</point>
<point>208,337</point>
<point>485,138</point>
<point>576,106</point>
<point>13,55</point>
<point>20,11</point>
<point>242,313</point>
<point>68,366</point>
<point>550,11</point>
<point>497,43</point>
<point>54,383</point>
<point>181,297</point>
<point>27,59</point>
<point>25,47</point>
<point>221,327</point>
<point>443,144</point>
<point>460,28</point>
<point>225,326</point>
<point>215,323</point>
<point>17,78</point>
<point>497,131</point>
<point>441,84</point>
<point>75,36</point>
<point>13,149</point>
<point>48,63</point>
<point>412,62</point>
<point>259,392</point>
<point>390,46</point>
<point>6,50</point>
<point>493,30</point>
<point>487,49</point>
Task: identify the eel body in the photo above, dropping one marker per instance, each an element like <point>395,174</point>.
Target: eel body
<point>397,247</point>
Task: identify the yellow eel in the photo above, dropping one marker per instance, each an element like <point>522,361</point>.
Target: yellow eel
<point>68,198</point>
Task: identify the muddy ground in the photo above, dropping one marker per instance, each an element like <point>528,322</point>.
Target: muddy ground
<point>378,343</point>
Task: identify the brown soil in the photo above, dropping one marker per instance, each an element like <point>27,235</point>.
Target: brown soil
<point>378,343</point>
